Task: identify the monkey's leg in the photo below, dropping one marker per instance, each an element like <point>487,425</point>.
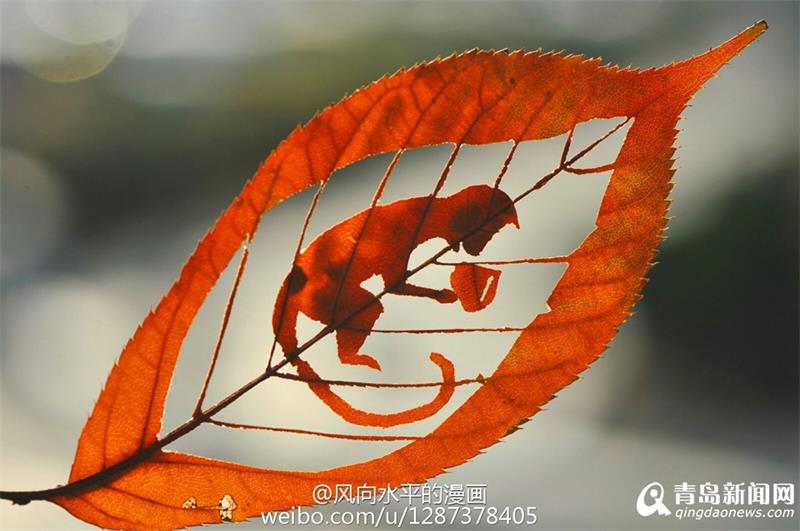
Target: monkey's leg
<point>351,336</point>
<point>284,320</point>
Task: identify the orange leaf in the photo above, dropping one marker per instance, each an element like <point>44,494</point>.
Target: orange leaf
<point>122,477</point>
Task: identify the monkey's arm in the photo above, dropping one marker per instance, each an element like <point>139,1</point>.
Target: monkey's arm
<point>443,296</point>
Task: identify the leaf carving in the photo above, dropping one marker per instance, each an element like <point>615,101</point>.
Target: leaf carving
<point>122,477</point>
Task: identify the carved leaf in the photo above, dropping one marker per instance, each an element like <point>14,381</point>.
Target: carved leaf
<point>123,478</point>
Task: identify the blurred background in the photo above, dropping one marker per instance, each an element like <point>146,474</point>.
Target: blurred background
<point>127,127</point>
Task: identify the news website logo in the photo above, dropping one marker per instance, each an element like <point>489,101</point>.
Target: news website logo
<point>714,500</point>
<point>651,500</point>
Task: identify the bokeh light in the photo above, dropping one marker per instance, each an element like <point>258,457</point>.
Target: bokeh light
<point>65,41</point>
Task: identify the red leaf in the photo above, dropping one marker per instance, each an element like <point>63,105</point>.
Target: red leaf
<point>122,477</point>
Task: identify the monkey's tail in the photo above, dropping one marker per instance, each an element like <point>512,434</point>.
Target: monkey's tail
<point>384,420</point>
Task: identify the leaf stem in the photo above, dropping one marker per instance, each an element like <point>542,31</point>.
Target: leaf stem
<point>515,261</point>
<point>380,385</point>
<point>198,408</point>
<point>436,330</point>
<point>330,435</point>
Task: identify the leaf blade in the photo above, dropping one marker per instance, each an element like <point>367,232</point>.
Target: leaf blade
<point>541,361</point>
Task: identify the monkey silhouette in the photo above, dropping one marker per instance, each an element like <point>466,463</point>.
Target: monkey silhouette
<point>326,281</point>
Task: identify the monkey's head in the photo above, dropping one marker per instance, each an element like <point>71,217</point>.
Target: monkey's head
<point>476,214</point>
